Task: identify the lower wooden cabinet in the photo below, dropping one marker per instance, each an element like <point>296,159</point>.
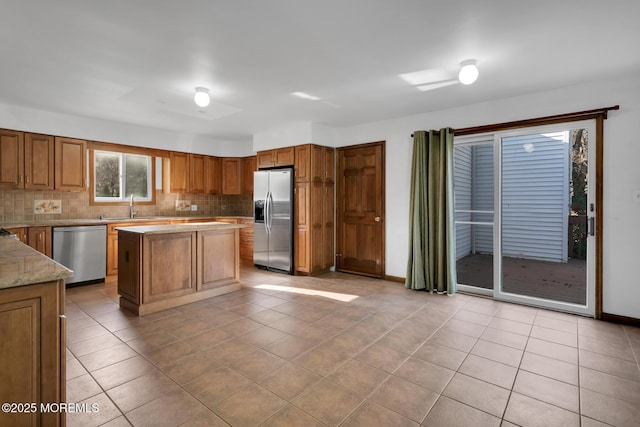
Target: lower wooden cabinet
<point>112,246</point>
<point>32,351</point>
<point>246,240</point>
<point>20,232</point>
<point>246,236</point>
<point>39,238</point>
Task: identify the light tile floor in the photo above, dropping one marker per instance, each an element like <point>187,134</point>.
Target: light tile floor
<point>346,350</point>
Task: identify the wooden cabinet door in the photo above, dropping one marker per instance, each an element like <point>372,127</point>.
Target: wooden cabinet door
<point>317,163</point>
<point>112,254</point>
<point>70,164</point>
<point>328,172</point>
<point>265,159</point>
<point>213,184</point>
<point>231,175</point>
<point>32,368</point>
<point>302,237</point>
<point>284,156</point>
<point>11,159</point>
<point>302,165</point>
<point>20,232</point>
<point>248,167</point>
<point>178,172</point>
<point>217,264</point>
<point>38,161</point>
<point>40,239</point>
<point>168,266</point>
<point>197,173</point>
<point>246,240</point>
<point>328,231</point>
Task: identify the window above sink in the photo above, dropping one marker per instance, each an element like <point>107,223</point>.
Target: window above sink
<point>115,176</point>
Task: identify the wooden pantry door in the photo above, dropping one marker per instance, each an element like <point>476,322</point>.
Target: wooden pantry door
<point>360,209</point>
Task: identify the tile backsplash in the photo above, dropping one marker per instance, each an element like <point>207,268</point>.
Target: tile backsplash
<point>18,205</point>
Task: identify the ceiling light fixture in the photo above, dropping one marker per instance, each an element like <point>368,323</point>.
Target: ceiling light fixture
<point>468,72</point>
<point>201,97</point>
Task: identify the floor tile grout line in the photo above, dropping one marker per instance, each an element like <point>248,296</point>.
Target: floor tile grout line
<point>352,357</point>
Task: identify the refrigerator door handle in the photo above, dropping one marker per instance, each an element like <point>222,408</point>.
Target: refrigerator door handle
<point>270,210</point>
<point>266,212</point>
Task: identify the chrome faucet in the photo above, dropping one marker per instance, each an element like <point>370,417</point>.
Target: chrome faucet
<point>132,212</point>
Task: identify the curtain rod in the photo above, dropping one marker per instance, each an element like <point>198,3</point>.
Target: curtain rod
<point>558,118</point>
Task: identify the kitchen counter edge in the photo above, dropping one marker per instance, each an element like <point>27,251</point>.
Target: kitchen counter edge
<point>179,228</point>
<point>21,265</point>
<point>107,221</point>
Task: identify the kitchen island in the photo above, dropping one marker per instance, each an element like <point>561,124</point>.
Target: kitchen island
<point>165,266</point>
<point>32,334</point>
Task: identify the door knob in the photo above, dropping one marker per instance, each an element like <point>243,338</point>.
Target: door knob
<point>376,219</point>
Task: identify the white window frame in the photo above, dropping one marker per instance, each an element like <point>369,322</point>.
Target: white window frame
<point>122,165</point>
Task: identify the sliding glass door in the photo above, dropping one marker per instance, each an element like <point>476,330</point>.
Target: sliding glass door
<point>524,216</point>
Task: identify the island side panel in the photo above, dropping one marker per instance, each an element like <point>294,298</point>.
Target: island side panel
<point>129,262</point>
<point>218,258</point>
<point>169,266</point>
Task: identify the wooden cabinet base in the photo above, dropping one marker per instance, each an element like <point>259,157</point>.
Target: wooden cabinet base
<point>160,271</point>
<point>154,307</point>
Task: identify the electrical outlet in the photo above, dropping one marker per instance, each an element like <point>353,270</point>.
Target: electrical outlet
<point>194,207</point>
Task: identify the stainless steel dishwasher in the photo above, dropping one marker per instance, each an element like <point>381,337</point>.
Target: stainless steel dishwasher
<point>83,250</point>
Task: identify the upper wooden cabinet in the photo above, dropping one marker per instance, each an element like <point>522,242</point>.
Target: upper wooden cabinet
<point>231,175</point>
<point>213,183</point>
<point>248,167</point>
<point>276,157</point>
<point>70,164</point>
<point>175,173</point>
<point>314,163</point>
<point>11,159</point>
<point>26,160</point>
<point>38,161</point>
<point>197,173</point>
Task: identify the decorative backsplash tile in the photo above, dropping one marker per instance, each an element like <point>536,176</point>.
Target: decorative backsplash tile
<point>183,205</point>
<point>47,206</point>
<point>20,206</point>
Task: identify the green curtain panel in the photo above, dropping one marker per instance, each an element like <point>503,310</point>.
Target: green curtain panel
<point>432,260</point>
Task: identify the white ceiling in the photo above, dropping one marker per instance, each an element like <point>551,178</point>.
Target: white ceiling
<point>139,61</point>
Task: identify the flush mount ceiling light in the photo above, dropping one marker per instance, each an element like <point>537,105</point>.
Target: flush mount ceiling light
<point>468,72</point>
<point>201,97</point>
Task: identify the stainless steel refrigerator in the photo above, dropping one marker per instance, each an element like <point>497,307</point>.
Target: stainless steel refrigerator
<point>273,219</point>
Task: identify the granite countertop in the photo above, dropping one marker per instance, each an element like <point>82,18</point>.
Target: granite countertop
<point>105,221</point>
<point>179,228</point>
<point>21,265</point>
